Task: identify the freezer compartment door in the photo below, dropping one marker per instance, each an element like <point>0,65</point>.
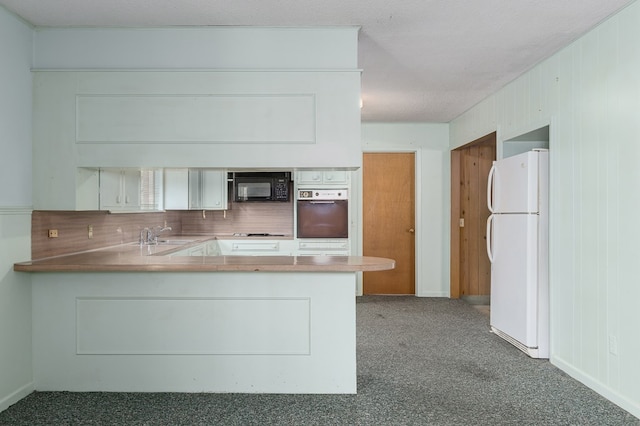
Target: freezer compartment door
<point>514,276</point>
<point>513,184</point>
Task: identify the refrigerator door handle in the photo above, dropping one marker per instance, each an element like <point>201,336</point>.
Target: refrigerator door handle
<point>490,180</point>
<point>489,245</point>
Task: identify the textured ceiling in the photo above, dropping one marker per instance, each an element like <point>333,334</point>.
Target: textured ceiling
<point>422,60</point>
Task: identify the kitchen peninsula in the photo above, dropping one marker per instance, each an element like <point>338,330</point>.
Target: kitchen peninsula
<point>135,318</point>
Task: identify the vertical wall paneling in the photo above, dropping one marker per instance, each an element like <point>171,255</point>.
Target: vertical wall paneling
<point>15,308</point>
<point>590,92</point>
<point>587,221</point>
<point>16,375</point>
<point>608,48</point>
<point>623,311</point>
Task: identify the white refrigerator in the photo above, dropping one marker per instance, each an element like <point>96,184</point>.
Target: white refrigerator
<point>517,246</point>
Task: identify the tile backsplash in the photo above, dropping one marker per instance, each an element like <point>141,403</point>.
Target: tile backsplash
<point>111,229</point>
<point>272,218</point>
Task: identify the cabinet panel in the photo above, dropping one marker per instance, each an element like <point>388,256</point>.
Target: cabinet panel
<point>309,176</point>
<point>256,247</point>
<point>324,248</point>
<point>120,189</point>
<point>208,189</point>
<point>176,189</point>
<point>153,119</point>
<point>110,189</point>
<point>323,177</point>
<point>130,190</point>
<point>335,176</point>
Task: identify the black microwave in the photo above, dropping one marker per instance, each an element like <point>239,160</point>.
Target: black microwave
<point>261,186</point>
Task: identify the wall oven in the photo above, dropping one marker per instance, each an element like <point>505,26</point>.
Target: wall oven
<point>322,213</point>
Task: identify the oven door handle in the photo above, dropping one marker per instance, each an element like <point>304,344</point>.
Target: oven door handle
<point>323,202</point>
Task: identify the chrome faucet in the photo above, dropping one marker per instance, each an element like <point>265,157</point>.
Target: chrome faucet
<point>146,236</point>
<point>159,230</point>
<point>150,235</point>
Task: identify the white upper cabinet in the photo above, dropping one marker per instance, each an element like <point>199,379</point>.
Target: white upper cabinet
<point>176,189</point>
<point>323,177</point>
<point>130,190</point>
<point>120,189</point>
<point>195,189</point>
<point>208,189</point>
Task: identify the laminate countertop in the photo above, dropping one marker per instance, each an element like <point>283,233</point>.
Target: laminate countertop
<point>131,257</point>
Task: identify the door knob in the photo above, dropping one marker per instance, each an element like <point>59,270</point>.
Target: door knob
<point>412,230</point>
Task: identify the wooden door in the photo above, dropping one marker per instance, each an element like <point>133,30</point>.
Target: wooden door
<point>389,220</point>
<point>470,267</point>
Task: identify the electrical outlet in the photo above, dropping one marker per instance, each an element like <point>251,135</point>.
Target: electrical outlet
<point>53,233</point>
<point>90,231</point>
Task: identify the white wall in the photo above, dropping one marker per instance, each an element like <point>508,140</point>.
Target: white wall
<point>430,142</point>
<point>590,95</point>
<point>295,94</point>
<point>15,211</point>
<point>179,48</point>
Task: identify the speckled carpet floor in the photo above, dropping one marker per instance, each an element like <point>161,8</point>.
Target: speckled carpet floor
<point>421,361</point>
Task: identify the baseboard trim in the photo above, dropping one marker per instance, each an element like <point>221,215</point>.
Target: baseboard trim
<point>477,300</point>
<point>432,294</point>
<point>623,402</point>
<point>16,396</point>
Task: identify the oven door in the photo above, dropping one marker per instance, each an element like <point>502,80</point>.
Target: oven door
<point>323,218</point>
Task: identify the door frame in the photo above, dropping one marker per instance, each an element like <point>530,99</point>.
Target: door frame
<point>359,206</point>
<point>456,214</point>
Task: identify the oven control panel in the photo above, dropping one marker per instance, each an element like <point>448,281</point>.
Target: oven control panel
<point>322,194</point>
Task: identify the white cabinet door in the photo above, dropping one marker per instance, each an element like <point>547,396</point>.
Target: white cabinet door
<point>255,247</point>
<point>130,189</point>
<point>309,177</point>
<point>323,248</point>
<point>335,176</point>
<point>214,189</point>
<point>176,189</point>
<point>208,189</point>
<point>119,189</point>
<point>110,189</point>
<point>323,177</point>
<point>131,185</point>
